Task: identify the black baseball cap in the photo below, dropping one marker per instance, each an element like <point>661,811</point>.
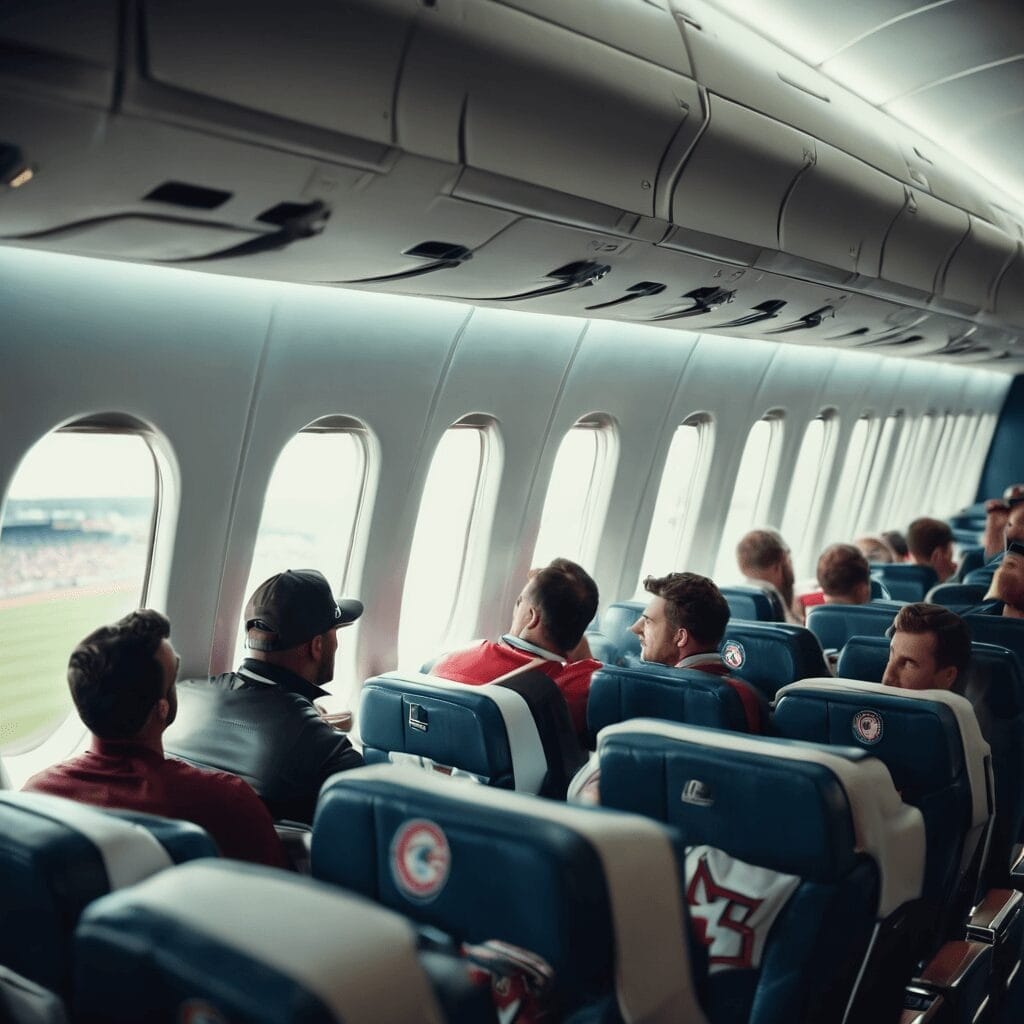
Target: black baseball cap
<point>295,606</point>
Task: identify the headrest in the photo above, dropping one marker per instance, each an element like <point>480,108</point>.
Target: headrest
<point>751,603</point>
<point>771,654</point>
<point>237,940</point>
<point>834,624</point>
<point>58,856</point>
<point>982,576</point>
<point>601,648</point>
<point>994,678</point>
<point>655,691</point>
<point>956,595</point>
<point>488,731</point>
<point>996,629</point>
<point>597,894</point>
<point>864,658</point>
<point>615,622</point>
<point>798,808</point>
<point>928,739</point>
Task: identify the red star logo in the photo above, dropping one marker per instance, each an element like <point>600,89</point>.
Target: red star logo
<point>719,918</point>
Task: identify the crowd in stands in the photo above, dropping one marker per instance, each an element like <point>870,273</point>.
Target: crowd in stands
<point>37,565</point>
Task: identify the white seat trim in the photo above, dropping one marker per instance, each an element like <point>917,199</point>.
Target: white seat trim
<point>358,958</point>
<point>529,762</point>
<point>886,829</point>
<point>129,852</point>
<point>652,971</point>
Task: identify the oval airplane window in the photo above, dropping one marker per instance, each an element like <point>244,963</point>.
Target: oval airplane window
<point>884,455</point>
<point>845,505</point>
<point>807,489</point>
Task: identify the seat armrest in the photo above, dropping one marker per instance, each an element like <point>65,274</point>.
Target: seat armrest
<point>960,972</point>
<point>1017,868</point>
<point>994,915</point>
<point>923,1007</point>
<point>296,839</point>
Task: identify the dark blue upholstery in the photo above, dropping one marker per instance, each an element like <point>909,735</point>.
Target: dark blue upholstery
<point>789,816</point>
<point>512,872</point>
<point>971,558</point>
<point>879,591</point>
<point>771,655</point>
<point>463,727</point>
<point>921,743</point>
<point>956,596</point>
<point>998,630</point>
<point>905,581</point>
<point>654,691</point>
<point>752,603</point>
<point>982,576</point>
<point>966,537</point>
<point>615,622</point>
<point>50,870</point>
<point>834,624</point>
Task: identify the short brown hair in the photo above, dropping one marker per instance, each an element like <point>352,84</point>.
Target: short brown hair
<point>925,535</point>
<point>841,569</point>
<point>566,597</point>
<point>693,603</point>
<point>114,676</point>
<point>952,634</point>
<point>760,549</point>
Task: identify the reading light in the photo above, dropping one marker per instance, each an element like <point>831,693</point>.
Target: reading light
<point>14,170</point>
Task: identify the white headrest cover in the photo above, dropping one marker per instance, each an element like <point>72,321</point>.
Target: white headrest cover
<point>653,982</point>
<point>129,852</point>
<point>885,828</point>
<point>529,763</point>
<point>359,959</point>
<point>5,779</point>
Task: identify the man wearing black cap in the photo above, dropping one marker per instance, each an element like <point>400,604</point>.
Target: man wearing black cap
<point>260,722</point>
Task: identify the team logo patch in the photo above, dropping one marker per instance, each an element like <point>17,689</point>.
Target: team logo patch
<point>867,727</point>
<point>733,654</point>
<point>420,860</point>
<point>198,1011</point>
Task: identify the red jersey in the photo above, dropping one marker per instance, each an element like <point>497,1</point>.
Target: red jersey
<point>485,661</point>
<point>132,777</point>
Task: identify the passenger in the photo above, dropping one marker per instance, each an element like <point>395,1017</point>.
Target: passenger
<point>122,680</point>
<point>843,576</point>
<point>997,513</point>
<point>898,543</point>
<point>765,561</point>
<point>930,648</point>
<point>1006,593</point>
<point>682,626</point>
<point>550,617</point>
<point>260,721</point>
<point>930,542</point>
<point>875,550</point>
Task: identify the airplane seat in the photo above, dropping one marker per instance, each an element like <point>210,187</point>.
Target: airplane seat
<point>939,762</point>
<point>24,1002</point>
<point>615,622</point>
<point>222,940</point>
<point>753,604</point>
<point>834,624</point>
<point>971,557</point>
<point>513,734</point>
<point>998,630</point>
<point>966,538</point>
<point>618,694</point>
<point>810,845</point>
<point>770,655</point>
<point>879,591</point>
<point>57,857</point>
<point>602,647</point>
<point>595,897</point>
<point>905,581</point>
<point>982,576</point>
<point>956,596</point>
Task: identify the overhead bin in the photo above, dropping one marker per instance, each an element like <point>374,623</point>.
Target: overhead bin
<point>736,179</point>
<point>921,240</point>
<point>977,264</point>
<point>499,90</point>
<point>1010,291</point>
<point>839,212</point>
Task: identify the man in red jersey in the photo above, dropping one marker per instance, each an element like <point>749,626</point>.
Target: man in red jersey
<point>548,622</point>
<point>122,682</point>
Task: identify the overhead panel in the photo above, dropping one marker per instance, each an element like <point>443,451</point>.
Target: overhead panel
<point>976,265</point>
<point>839,213</point>
<point>1010,291</point>
<point>737,177</point>
<point>509,93</point>
<point>921,240</point>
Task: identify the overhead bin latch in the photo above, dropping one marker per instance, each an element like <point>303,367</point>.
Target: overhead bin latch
<point>705,300</point>
<point>440,256</point>
<point>813,319</point>
<point>633,292</point>
<point>580,274</point>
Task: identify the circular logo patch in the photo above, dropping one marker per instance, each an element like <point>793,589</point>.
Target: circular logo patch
<point>867,726</point>
<point>733,654</point>
<point>420,859</point>
<point>198,1011</point>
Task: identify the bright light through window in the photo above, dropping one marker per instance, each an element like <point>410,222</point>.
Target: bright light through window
<point>578,493</point>
<point>448,544</point>
<point>313,527</point>
<point>74,554</point>
<point>675,512</point>
<point>881,463</point>
<point>850,492</point>
<point>806,490</point>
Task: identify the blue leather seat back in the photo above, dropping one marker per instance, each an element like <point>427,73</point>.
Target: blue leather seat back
<point>879,591</point>
<point>779,806</point>
<point>57,857</point>
<point>834,624</point>
<point>966,537</point>
<point>484,864</point>
<point>998,630</point>
<point>655,691</point>
<point>231,942</point>
<point>615,622</point>
<point>982,576</point>
<point>936,757</point>
<point>511,735</point>
<point>957,596</point>
<point>864,657</point>
<point>770,655</point>
<point>905,581</point>
<point>752,604</point>
<point>971,557</point>
<point>601,647</point>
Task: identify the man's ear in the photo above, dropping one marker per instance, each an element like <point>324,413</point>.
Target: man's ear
<point>534,621</point>
<point>162,711</point>
<point>682,637</point>
<point>316,647</point>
